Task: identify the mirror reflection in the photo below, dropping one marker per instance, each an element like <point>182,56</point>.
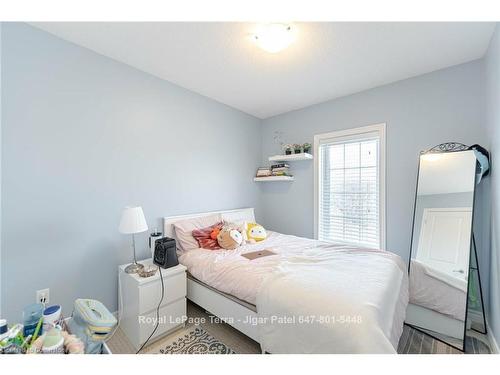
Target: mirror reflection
<point>441,245</point>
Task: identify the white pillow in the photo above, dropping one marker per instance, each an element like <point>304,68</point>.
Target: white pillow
<point>184,230</point>
<point>238,216</point>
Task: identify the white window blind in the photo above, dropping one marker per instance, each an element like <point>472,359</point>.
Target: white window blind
<point>349,190</point>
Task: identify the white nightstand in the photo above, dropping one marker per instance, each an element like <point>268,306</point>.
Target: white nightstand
<point>140,300</point>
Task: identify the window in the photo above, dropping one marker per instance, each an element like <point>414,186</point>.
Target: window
<point>350,186</point>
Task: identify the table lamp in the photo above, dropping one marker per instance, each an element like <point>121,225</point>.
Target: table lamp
<point>133,222</point>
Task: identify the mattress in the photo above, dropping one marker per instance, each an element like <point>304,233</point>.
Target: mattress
<point>383,286</point>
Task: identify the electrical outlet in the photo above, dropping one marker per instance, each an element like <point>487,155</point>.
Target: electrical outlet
<point>42,296</point>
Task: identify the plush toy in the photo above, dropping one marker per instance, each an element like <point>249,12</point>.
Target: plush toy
<point>255,232</point>
<point>214,233</point>
<point>229,238</point>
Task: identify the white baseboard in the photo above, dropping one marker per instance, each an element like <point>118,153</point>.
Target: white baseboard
<point>493,343</point>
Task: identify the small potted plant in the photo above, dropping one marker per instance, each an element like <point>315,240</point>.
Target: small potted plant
<point>307,148</point>
<point>288,149</point>
<point>297,148</point>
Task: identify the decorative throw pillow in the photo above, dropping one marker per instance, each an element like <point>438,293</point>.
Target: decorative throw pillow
<point>229,238</point>
<point>255,232</point>
<point>184,230</point>
<point>204,236</point>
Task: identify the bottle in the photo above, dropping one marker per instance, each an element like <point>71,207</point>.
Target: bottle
<point>31,316</point>
<point>152,239</point>
<point>3,329</point>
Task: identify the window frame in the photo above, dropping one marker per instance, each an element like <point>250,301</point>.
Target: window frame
<point>355,133</point>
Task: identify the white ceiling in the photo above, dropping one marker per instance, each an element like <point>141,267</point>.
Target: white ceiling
<point>328,60</point>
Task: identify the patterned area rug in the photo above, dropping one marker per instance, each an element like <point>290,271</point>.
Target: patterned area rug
<point>195,340</point>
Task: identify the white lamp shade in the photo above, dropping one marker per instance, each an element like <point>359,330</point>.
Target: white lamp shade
<point>133,221</point>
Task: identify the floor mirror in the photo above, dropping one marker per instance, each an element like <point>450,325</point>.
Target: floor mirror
<point>445,287</point>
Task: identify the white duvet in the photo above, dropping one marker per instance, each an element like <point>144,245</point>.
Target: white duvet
<point>437,291</point>
<point>313,297</point>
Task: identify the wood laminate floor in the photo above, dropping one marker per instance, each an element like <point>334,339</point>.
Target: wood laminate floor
<point>412,341</point>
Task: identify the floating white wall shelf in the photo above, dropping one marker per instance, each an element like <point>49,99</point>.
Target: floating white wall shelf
<point>273,179</point>
<point>291,157</point>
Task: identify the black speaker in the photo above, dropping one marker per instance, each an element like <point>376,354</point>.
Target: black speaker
<point>165,255</point>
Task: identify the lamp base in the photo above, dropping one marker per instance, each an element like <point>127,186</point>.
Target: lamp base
<point>134,268</point>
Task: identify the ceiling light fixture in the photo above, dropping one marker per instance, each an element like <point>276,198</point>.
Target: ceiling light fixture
<point>274,37</point>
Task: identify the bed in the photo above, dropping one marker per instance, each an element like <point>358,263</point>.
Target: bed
<point>437,300</point>
<point>310,297</point>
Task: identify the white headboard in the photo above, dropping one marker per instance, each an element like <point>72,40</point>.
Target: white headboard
<point>240,214</point>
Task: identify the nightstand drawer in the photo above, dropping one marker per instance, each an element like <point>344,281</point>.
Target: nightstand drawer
<point>150,293</point>
<point>171,316</point>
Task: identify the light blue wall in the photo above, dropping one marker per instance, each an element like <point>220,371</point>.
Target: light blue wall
<point>492,79</point>
<point>82,137</point>
<point>445,105</point>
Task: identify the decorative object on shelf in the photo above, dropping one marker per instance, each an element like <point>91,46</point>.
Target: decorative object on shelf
<point>276,170</point>
<point>133,222</point>
<point>280,169</point>
<point>306,147</point>
<point>278,138</point>
<point>288,149</point>
<point>263,172</point>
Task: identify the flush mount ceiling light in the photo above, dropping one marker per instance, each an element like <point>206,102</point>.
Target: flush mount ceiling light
<point>274,37</point>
